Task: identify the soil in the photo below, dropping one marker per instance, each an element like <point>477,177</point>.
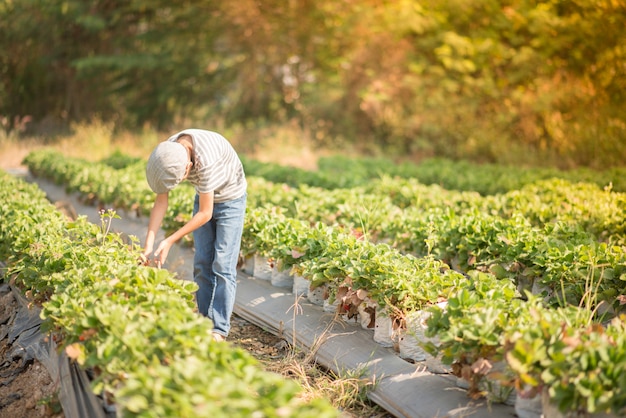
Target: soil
<point>261,344</point>
<point>26,390</point>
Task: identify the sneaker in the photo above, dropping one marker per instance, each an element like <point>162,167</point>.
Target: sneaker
<point>218,337</point>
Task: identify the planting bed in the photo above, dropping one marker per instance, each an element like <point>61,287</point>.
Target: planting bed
<point>494,277</point>
<point>28,391</point>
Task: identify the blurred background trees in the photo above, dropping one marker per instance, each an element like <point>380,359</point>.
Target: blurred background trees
<point>514,81</point>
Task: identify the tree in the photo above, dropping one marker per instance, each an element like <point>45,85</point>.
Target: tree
<point>490,80</point>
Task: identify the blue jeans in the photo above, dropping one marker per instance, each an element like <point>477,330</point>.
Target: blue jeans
<point>217,244</point>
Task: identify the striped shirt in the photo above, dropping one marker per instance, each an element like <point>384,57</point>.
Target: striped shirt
<point>217,167</point>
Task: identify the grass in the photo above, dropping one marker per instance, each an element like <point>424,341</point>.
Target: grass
<point>92,141</point>
<point>346,390</point>
<point>95,140</point>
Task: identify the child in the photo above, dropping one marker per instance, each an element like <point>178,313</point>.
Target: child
<point>209,162</point>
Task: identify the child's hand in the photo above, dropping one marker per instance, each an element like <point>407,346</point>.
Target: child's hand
<point>160,254</point>
<point>143,260</point>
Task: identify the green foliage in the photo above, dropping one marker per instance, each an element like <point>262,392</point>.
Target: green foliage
<point>472,326</point>
<point>545,235</point>
<point>119,160</point>
<point>485,179</point>
<point>575,359</point>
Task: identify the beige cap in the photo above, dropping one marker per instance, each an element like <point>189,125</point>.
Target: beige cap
<point>166,166</point>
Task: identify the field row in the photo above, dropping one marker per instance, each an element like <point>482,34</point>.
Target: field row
<point>528,282</point>
<point>553,235</point>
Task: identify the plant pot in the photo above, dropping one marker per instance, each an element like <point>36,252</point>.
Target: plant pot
<point>434,365</point>
<point>316,296</point>
<point>300,286</point>
<point>524,284</point>
<point>262,268</point>
<point>331,307</point>
<point>410,348</point>
<point>354,321</point>
<point>281,278</point>
<point>383,329</point>
<point>248,265</point>
<point>411,338</point>
<point>528,406</point>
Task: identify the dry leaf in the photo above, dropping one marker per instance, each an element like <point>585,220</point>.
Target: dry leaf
<point>296,254</point>
<point>481,366</point>
<point>466,372</point>
<point>342,292</point>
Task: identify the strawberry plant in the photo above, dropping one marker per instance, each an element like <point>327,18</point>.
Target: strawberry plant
<point>471,328</point>
<point>579,363</point>
<point>135,327</point>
